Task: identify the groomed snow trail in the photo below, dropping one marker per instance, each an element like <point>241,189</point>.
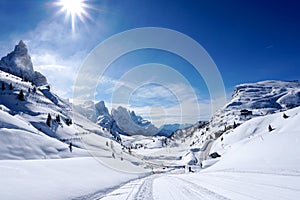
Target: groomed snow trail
<point>169,187</point>
<point>212,185</point>
<point>138,190</point>
<point>162,187</point>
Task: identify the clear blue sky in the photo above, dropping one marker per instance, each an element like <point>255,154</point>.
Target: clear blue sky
<point>248,40</point>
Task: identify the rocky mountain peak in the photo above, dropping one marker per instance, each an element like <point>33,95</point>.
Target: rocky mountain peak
<point>19,63</point>
<point>21,48</point>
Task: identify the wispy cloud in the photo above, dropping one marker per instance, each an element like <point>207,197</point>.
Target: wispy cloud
<point>158,93</point>
<point>57,52</point>
<point>168,103</point>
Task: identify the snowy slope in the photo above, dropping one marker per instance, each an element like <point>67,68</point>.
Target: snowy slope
<point>23,128</point>
<point>35,139</point>
<point>252,147</point>
<point>261,98</point>
<point>250,101</point>
<point>58,179</point>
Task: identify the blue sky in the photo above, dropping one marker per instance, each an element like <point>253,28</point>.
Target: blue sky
<point>249,41</point>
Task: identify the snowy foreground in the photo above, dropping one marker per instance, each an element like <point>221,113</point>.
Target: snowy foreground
<point>57,178</point>
<point>84,178</point>
<point>212,185</point>
<point>255,164</point>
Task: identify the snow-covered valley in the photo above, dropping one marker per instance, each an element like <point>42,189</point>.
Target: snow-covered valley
<point>51,149</point>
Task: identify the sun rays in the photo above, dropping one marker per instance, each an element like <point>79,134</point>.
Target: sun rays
<point>74,10</point>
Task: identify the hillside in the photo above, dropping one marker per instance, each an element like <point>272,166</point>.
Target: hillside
<point>250,101</point>
<point>35,123</point>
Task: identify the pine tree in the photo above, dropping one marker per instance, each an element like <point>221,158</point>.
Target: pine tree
<point>3,86</point>
<point>48,121</point>
<point>10,86</point>
<point>270,128</point>
<point>68,122</point>
<point>58,118</point>
<point>285,116</point>
<point>21,96</point>
<point>234,125</point>
<point>34,89</point>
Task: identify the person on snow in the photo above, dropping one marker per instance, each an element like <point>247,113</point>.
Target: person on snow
<point>71,147</point>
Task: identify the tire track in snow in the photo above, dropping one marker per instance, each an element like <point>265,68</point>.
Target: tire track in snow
<point>199,191</point>
<point>145,190</point>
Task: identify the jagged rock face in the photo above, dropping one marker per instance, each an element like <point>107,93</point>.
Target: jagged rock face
<point>19,63</point>
<point>120,121</point>
<point>101,109</point>
<point>132,124</point>
<point>104,119</point>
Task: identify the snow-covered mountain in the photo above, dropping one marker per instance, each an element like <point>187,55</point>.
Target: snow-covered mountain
<point>132,124</point>
<point>249,101</point>
<point>123,121</point>
<point>18,63</point>
<point>34,121</point>
<point>259,99</point>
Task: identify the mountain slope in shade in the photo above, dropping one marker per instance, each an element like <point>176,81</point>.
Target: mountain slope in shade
<point>169,129</point>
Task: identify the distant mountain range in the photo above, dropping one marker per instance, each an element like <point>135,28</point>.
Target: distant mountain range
<point>123,121</point>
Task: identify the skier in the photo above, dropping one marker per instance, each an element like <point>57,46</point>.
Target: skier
<point>71,147</point>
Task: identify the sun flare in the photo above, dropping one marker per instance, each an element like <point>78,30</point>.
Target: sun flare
<point>74,9</point>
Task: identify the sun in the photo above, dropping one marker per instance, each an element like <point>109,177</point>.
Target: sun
<point>74,9</point>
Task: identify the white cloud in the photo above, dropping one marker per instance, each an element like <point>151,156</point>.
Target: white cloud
<point>56,51</point>
<point>58,55</point>
<point>170,103</point>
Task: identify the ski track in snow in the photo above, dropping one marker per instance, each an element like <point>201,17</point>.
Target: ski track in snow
<point>179,188</point>
<point>212,185</point>
<point>145,191</point>
<point>138,190</point>
<point>173,188</point>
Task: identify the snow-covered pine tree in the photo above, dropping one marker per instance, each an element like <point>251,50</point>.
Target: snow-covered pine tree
<point>21,95</point>
<point>3,86</point>
<point>57,118</point>
<point>48,121</point>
